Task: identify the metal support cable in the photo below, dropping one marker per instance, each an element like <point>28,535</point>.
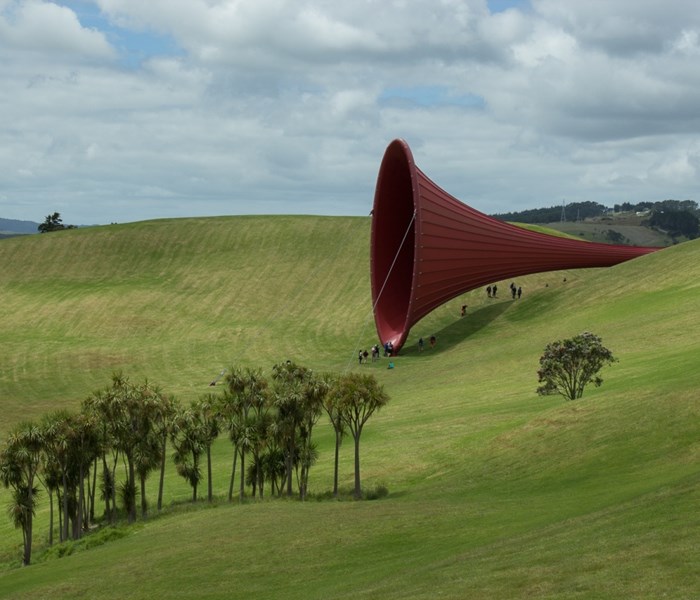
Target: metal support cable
<point>381,290</point>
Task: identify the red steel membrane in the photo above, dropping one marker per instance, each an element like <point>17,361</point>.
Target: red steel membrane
<point>450,248</point>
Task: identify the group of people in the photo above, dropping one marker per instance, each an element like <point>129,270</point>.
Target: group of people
<point>421,343</point>
<point>516,292</point>
<point>491,291</point>
<point>363,355</point>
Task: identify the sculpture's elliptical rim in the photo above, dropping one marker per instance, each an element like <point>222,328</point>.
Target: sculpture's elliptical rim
<point>450,248</point>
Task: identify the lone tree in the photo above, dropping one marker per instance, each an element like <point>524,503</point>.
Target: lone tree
<point>331,404</point>
<point>53,222</point>
<point>357,396</point>
<point>568,366</point>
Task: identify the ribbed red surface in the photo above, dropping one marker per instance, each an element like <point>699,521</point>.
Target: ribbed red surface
<point>449,248</point>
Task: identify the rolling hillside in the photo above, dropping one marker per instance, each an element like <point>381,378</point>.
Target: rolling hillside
<point>599,230</point>
<point>494,492</point>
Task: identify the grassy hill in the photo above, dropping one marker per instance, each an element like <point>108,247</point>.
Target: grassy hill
<point>625,228</point>
<point>494,491</point>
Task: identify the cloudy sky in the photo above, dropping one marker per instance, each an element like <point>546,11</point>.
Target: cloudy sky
<point>124,110</point>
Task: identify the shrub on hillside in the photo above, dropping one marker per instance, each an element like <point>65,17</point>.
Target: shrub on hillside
<point>568,366</point>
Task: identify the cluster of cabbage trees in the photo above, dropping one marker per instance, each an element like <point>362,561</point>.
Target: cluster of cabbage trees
<point>120,436</point>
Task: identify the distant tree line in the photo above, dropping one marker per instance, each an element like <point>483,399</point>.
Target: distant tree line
<point>121,434</point>
<point>674,205</point>
<point>572,212</point>
<point>676,223</point>
<point>678,218</point>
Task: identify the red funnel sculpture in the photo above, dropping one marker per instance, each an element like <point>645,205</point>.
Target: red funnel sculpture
<point>428,247</point>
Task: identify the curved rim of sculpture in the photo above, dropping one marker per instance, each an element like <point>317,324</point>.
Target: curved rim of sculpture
<point>393,222</point>
<point>427,247</point>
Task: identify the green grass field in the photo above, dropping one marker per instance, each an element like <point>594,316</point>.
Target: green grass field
<point>494,492</point>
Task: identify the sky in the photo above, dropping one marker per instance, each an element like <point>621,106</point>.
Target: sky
<point>126,110</point>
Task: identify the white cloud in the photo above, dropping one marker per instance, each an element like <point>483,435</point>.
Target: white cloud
<point>687,42</point>
<point>279,106</point>
<point>679,168</point>
<point>50,30</point>
<point>544,45</point>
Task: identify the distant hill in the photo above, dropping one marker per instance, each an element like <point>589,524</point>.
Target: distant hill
<point>614,230</point>
<point>662,223</point>
<point>12,227</point>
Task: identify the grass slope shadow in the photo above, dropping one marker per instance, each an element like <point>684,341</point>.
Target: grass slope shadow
<point>459,330</point>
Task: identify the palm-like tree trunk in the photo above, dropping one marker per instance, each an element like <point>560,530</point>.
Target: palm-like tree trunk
<point>162,470</point>
<point>144,500</point>
<point>59,501</point>
<point>29,526</point>
<point>92,492</point>
<point>64,532</point>
<point>106,471</point>
<point>195,463</point>
<point>28,535</point>
<point>335,466</point>
<point>289,464</point>
<point>242,492</point>
<point>258,472</point>
<point>50,517</point>
<point>358,488</point>
<point>113,490</point>
<point>81,503</point>
<point>233,473</point>
<point>131,492</point>
<point>210,495</point>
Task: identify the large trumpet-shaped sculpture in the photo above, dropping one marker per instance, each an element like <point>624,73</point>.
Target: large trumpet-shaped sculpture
<point>428,247</point>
